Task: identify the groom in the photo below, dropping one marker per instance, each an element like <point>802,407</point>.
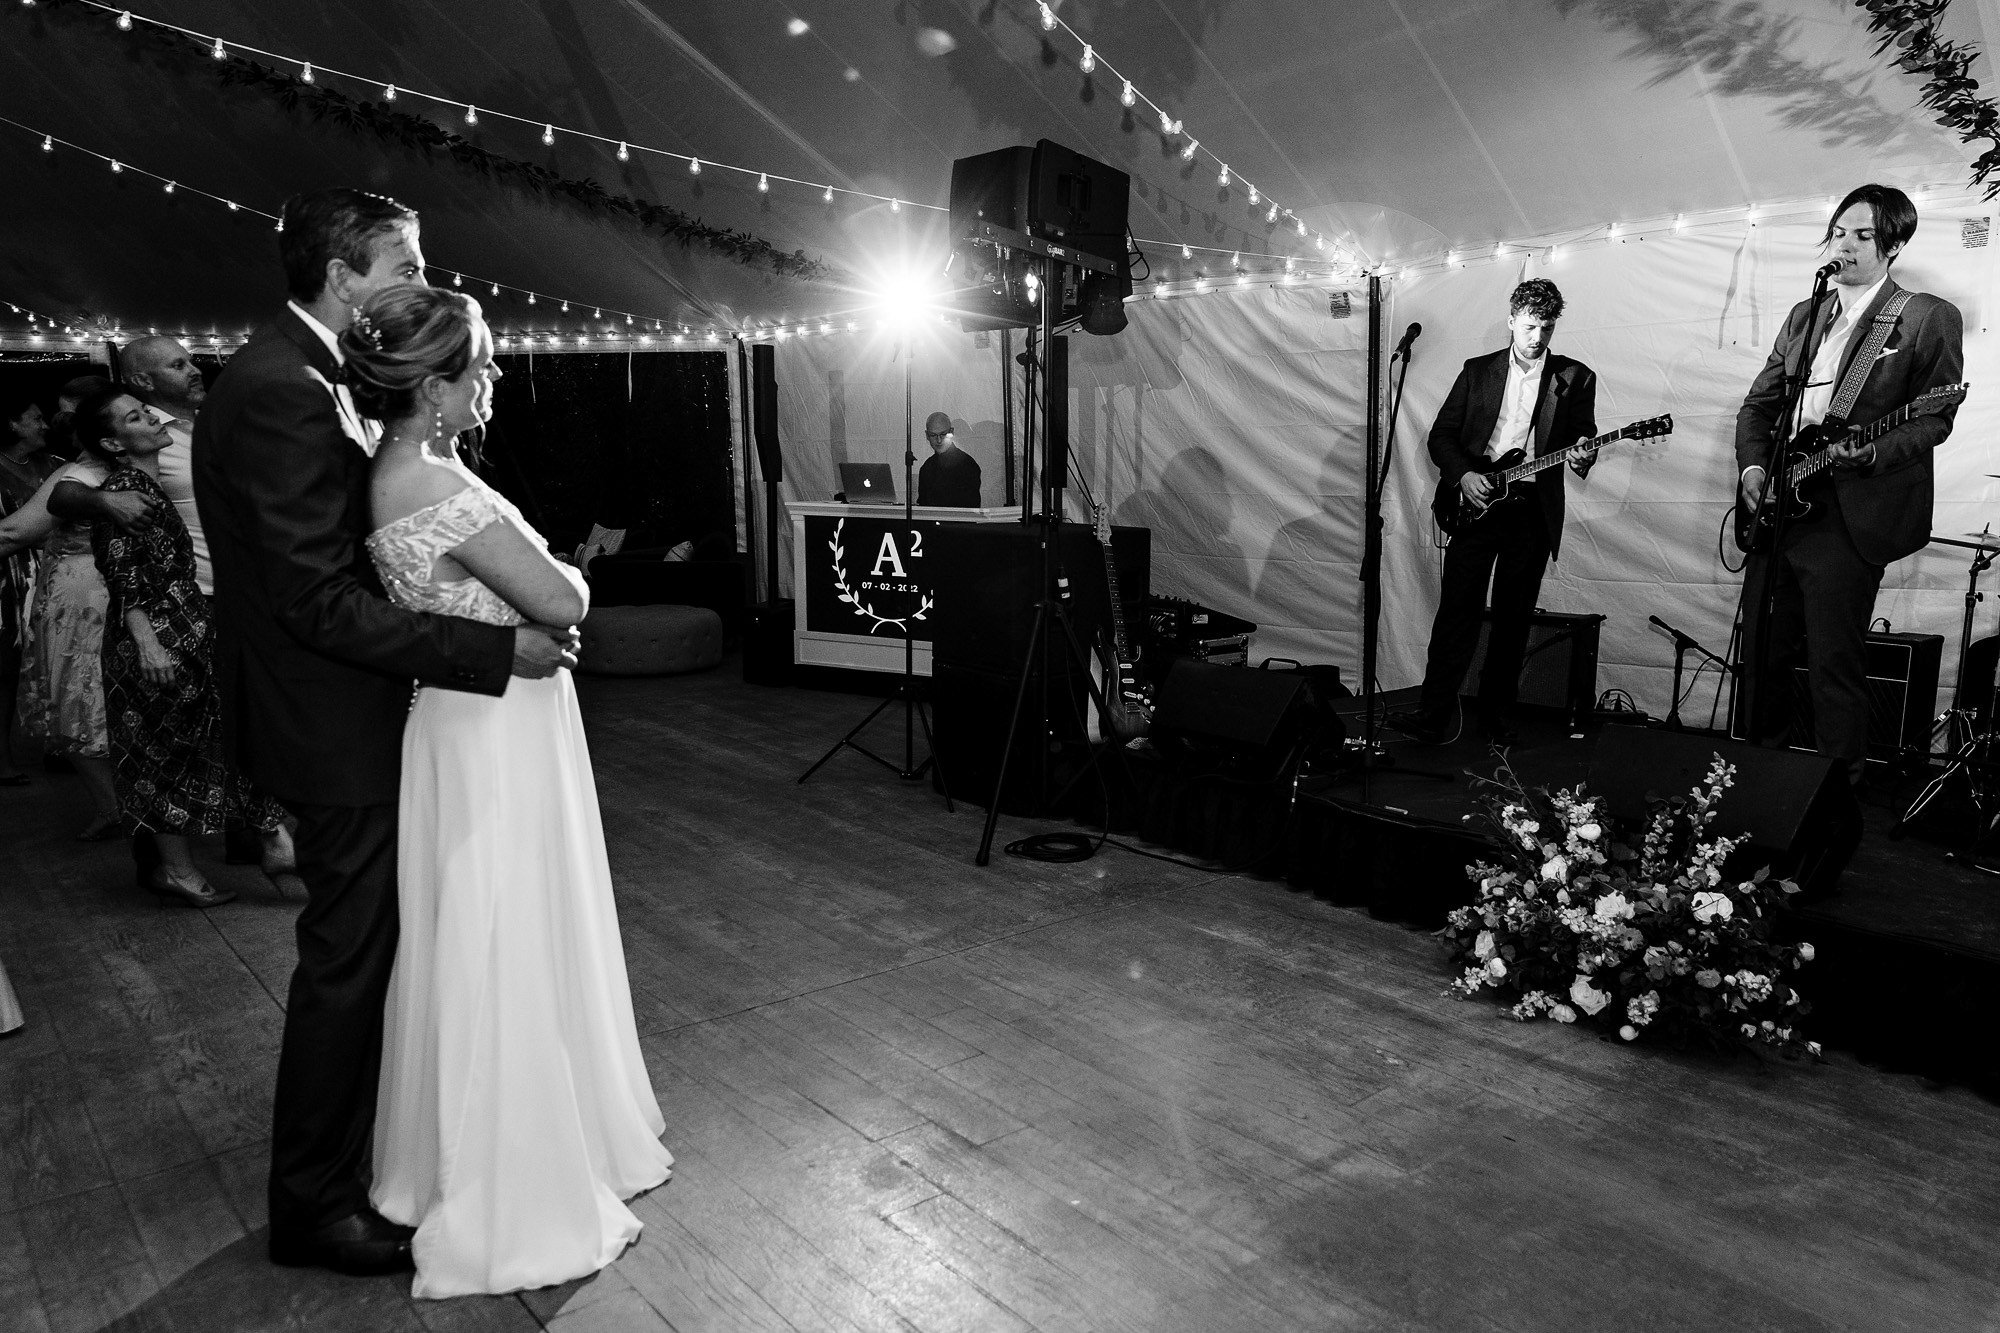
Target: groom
<point>315,667</point>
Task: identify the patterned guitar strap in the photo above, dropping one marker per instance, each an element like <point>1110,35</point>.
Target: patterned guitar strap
<point>1884,323</point>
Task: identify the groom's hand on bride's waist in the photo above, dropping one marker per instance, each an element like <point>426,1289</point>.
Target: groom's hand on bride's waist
<point>542,650</point>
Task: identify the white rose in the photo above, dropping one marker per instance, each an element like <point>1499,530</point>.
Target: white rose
<point>1495,968</point>
<point>1806,952</point>
<point>1562,1013</point>
<point>1556,868</point>
<point>1590,832</point>
<point>1708,977</point>
<point>1588,998</point>
<point>1483,946</point>
<point>1613,907</point>
<point>1629,1033</point>
<point>1712,907</point>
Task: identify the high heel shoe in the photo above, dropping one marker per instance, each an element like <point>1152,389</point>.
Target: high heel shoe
<point>199,893</point>
<point>101,828</point>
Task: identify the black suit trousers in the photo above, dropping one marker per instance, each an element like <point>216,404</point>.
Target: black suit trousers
<point>324,1119</point>
<point>1825,597</point>
<point>1509,548</point>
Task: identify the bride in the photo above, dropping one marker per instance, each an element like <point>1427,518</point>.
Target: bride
<point>515,1110</point>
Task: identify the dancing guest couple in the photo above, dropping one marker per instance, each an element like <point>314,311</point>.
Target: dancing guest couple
<point>460,1088</point>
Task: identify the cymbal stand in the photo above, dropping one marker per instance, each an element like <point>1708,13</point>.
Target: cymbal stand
<point>1971,750</point>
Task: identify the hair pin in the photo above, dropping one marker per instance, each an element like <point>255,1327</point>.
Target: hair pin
<point>368,329</point>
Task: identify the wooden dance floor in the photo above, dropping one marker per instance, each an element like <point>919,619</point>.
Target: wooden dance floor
<point>907,1093</point>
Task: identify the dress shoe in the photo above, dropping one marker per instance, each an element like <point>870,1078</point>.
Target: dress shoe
<point>1498,730</point>
<point>365,1244</point>
<point>194,891</point>
<point>1422,728</point>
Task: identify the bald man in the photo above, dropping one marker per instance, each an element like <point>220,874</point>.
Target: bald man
<point>164,376</point>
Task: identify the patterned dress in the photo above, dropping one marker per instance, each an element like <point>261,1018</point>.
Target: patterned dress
<point>166,740</point>
<point>62,684</point>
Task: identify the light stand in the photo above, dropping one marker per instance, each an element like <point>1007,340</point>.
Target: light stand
<point>908,689</point>
<point>1970,750</point>
<point>1050,606</point>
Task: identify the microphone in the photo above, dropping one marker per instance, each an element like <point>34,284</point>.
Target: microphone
<point>1828,269</point>
<point>1409,336</point>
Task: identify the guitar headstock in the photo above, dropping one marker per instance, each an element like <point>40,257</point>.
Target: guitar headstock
<point>1651,428</point>
<point>1100,523</point>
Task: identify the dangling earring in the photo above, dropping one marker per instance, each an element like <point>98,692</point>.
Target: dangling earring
<point>437,430</point>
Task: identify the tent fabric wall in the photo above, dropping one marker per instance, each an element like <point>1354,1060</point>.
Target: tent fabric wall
<point>1230,424</point>
<point>1680,323</point>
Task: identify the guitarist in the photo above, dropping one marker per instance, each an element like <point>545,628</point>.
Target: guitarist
<point>1826,571</point>
<point>1526,398</point>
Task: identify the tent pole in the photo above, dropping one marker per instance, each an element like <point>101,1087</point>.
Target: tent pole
<point>1371,528</point>
<point>1007,413</point>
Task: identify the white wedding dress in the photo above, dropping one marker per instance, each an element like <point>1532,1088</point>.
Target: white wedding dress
<point>515,1111</point>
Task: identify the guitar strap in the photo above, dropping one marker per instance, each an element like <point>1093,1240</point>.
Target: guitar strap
<point>1884,323</point>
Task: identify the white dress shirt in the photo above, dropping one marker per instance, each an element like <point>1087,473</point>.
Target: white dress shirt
<point>1516,422</point>
<point>1825,376</point>
<point>177,480</point>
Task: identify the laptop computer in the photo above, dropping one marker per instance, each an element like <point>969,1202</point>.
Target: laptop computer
<point>868,483</point>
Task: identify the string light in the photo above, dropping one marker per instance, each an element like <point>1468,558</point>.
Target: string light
<point>1048,17</point>
<point>125,21</point>
<point>116,166</point>
<point>1128,97</point>
<point>48,144</point>
<point>1187,153</point>
<point>1089,61</point>
<point>828,195</point>
<point>565,308</point>
<point>694,166</point>
<point>458,280</point>
<point>763,183</point>
<point>471,114</point>
<point>1272,216</point>
<point>1187,252</point>
<point>895,205</point>
<point>531,298</point>
<point>306,73</point>
<point>216,52</point>
<point>168,187</point>
<point>548,134</point>
<point>388,92</point>
<point>624,153</point>
<point>1166,123</point>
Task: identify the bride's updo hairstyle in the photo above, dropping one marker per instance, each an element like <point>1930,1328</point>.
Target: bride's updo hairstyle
<point>400,338</point>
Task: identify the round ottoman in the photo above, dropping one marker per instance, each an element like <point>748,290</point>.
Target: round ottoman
<point>650,640</point>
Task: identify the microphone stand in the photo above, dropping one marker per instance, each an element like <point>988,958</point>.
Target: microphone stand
<point>1683,642</point>
<point>1786,428</point>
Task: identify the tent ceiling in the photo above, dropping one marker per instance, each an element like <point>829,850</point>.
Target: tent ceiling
<point>1398,125</point>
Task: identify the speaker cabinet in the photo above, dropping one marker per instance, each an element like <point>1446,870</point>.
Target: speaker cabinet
<point>767,643</point>
<point>988,577</point>
<point>1247,723</point>
<point>1798,810</point>
<point>1559,671</point>
<point>1902,697</point>
<point>970,708</point>
<point>764,414</point>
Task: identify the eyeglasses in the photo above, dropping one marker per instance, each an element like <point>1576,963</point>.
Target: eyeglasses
<point>936,434</point>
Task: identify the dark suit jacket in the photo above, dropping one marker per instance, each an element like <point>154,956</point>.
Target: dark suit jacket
<point>313,662</point>
<point>1887,505</point>
<point>1565,412</point>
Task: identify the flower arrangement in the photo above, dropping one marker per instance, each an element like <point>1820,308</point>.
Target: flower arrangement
<point>1574,925</point>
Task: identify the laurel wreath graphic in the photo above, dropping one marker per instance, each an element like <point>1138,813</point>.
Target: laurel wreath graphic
<point>848,595</point>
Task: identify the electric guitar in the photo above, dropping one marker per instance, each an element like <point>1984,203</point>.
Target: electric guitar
<point>1807,478</point>
<point>1455,511</point>
<point>1115,665</point>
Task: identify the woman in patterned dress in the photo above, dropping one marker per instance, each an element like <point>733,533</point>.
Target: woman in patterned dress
<point>24,466</point>
<point>163,710</point>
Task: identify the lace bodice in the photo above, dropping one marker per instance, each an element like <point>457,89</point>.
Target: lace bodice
<point>406,553</point>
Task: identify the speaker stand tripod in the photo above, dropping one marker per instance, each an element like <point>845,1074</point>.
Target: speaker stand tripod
<point>1972,738</point>
<point>909,688</point>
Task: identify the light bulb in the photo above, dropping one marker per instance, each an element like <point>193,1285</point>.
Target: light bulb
<point>125,21</point>
<point>1089,61</point>
<point>531,298</point>
<point>48,144</point>
<point>548,134</point>
<point>1272,216</point>
<point>389,92</point>
<point>1253,195</point>
<point>471,114</point>
<point>496,290</point>
<point>1187,153</point>
<point>306,73</point>
<point>1048,17</point>
<point>624,153</point>
<point>1236,260</point>
<point>565,308</point>
<point>216,51</point>
<point>1187,252</point>
<point>1319,242</point>
<point>694,166</point>
<point>1128,97</point>
<point>458,279</point>
<point>1166,123</point>
<point>168,187</point>
<point>232,205</point>
<point>828,196</point>
<point>1222,177</point>
<point>895,205</point>
<point>763,183</point>
<point>628,321</point>
<point>1302,226</point>
<point>1032,282</point>
<point>598,313</point>
<point>116,165</point>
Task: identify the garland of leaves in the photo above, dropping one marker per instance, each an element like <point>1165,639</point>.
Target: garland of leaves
<point>403,130</point>
<point>847,593</point>
<point>1950,93</point>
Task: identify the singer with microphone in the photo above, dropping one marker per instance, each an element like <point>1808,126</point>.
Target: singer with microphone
<point>1818,586</point>
<point>1521,397</point>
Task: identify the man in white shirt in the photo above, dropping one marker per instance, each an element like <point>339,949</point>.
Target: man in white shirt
<point>168,381</point>
<point>1818,587</point>
<point>1523,397</point>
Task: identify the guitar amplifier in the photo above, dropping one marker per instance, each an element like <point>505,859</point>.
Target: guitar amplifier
<point>1559,670</point>
<point>1902,697</point>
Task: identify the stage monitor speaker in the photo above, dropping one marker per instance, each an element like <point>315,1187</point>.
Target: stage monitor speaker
<point>764,415</point>
<point>1798,810</point>
<point>1902,696</point>
<point>1248,722</point>
<point>1560,669</point>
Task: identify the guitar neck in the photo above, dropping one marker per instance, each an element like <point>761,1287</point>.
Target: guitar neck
<point>1117,606</point>
<point>1807,468</point>
<point>1560,456</point>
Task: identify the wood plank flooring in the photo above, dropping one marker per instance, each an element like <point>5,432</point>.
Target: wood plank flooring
<point>907,1093</point>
